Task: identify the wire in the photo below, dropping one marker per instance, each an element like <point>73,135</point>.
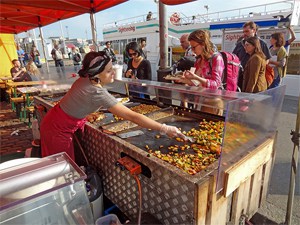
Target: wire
<point>140,198</point>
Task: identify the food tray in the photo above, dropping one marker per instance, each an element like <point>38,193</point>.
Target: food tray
<point>125,125</point>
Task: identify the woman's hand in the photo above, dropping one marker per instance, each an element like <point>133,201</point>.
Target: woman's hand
<point>189,75</point>
<point>128,74</point>
<point>184,80</point>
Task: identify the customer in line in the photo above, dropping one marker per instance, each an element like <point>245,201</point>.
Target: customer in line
<point>279,58</point>
<point>254,73</point>
<point>138,68</point>
<point>209,64</point>
<point>208,72</point>
<point>249,30</point>
<point>88,95</point>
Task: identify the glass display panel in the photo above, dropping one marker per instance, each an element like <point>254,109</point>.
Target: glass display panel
<point>248,121</point>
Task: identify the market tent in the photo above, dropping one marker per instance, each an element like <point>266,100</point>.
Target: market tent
<point>8,49</point>
<point>21,15</point>
<point>175,2</point>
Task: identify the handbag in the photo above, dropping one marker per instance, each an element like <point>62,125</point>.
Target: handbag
<point>269,74</point>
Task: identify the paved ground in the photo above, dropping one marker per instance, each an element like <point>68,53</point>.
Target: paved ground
<point>274,208</point>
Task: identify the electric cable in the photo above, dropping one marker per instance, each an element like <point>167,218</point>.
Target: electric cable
<point>140,198</point>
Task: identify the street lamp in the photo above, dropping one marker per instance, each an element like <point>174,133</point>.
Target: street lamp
<point>67,32</point>
<point>206,7</point>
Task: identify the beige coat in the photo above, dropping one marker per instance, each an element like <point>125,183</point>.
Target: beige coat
<point>254,75</point>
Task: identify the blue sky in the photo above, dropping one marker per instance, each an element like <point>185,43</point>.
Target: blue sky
<point>79,27</point>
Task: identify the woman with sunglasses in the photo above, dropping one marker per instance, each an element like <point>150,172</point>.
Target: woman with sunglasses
<point>254,79</point>
<point>208,71</point>
<point>88,95</point>
<point>138,67</point>
<point>209,64</point>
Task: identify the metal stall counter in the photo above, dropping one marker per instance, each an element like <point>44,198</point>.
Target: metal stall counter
<point>188,183</point>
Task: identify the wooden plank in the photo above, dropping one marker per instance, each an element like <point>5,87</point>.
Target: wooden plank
<point>30,83</point>
<point>266,179</point>
<point>240,201</point>
<point>201,202</point>
<point>216,206</point>
<point>242,170</point>
<point>255,192</point>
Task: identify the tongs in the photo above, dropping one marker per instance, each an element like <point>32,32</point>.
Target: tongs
<point>190,139</point>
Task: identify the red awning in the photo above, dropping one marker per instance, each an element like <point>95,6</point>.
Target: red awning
<point>21,15</point>
<point>175,2</point>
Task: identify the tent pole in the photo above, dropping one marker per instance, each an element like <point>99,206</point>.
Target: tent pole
<point>34,37</point>
<point>44,49</point>
<point>94,31</point>
<point>294,164</point>
<point>63,37</point>
<point>163,36</point>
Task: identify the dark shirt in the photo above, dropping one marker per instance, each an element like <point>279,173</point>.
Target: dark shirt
<point>110,53</point>
<point>23,76</point>
<point>143,72</point>
<point>239,50</point>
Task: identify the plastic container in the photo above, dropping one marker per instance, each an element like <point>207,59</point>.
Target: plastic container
<point>110,219</point>
<point>119,71</point>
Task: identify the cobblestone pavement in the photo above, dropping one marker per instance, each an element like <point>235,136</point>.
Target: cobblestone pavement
<point>15,135</point>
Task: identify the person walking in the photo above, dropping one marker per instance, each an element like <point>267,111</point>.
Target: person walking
<point>110,52</point>
<point>21,55</point>
<point>143,48</point>
<point>87,95</point>
<point>77,59</point>
<point>58,60</point>
<point>35,55</point>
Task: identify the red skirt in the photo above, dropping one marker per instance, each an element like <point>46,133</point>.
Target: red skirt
<point>57,130</point>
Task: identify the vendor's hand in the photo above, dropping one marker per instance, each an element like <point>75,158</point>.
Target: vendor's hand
<point>171,131</point>
<point>23,69</point>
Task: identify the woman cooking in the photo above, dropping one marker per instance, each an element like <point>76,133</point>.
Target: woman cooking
<point>88,95</point>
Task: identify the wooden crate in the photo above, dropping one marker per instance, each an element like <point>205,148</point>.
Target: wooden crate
<point>245,189</point>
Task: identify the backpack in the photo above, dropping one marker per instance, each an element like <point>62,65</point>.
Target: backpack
<point>77,57</point>
<point>231,71</point>
<point>269,74</point>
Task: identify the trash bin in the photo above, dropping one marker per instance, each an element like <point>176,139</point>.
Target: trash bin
<point>95,191</point>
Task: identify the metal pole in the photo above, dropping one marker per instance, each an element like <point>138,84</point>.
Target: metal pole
<point>295,139</point>
<point>34,37</point>
<point>163,36</point>
<point>94,31</point>
<point>62,35</point>
<point>44,49</point>
<point>165,96</point>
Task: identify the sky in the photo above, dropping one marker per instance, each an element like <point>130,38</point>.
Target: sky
<point>79,27</point>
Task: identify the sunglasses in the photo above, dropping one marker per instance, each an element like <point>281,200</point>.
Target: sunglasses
<point>132,54</point>
<point>194,47</point>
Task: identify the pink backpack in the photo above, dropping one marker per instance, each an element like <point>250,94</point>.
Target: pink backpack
<point>231,71</point>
